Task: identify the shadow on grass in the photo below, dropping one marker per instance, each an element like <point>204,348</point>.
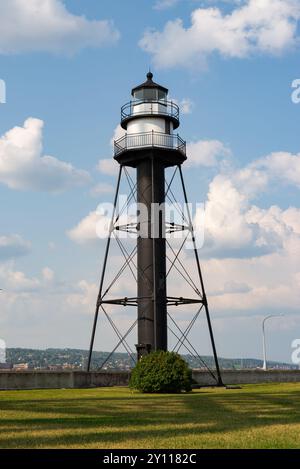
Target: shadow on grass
<point>113,420</point>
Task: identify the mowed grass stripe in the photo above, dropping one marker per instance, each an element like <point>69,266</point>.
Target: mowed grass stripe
<point>256,416</point>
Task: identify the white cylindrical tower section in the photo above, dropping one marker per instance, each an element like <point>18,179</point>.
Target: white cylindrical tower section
<point>147,124</point>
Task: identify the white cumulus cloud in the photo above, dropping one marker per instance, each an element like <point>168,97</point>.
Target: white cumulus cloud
<point>280,165</point>
<point>206,152</point>
<point>258,26</point>
<point>108,166</point>
<point>24,167</point>
<point>233,225</point>
<point>47,25</point>
<point>119,132</point>
<point>186,105</point>
<point>225,228</point>
<point>16,281</point>
<point>164,4</point>
<point>91,228</point>
<point>100,189</point>
<point>12,246</point>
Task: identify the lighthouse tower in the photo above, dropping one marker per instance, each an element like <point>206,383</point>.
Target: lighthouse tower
<point>150,145</point>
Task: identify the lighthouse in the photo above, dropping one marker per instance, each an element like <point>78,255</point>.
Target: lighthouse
<point>150,145</point>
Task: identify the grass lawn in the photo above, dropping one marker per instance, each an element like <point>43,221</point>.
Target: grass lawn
<point>256,416</point>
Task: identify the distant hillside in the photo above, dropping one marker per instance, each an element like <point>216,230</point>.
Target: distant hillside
<point>76,358</point>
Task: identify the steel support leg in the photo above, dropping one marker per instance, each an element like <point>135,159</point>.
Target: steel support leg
<point>220,382</point>
<point>103,271</point>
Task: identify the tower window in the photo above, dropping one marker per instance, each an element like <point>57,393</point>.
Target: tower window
<point>139,94</point>
<point>150,94</point>
<point>162,94</point>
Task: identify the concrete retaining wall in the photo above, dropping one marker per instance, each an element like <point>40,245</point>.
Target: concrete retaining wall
<point>60,379</point>
<point>248,377</point>
<point>102,379</point>
<point>35,380</point>
<point>81,379</point>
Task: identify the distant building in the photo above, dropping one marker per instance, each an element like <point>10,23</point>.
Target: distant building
<point>68,366</point>
<point>21,367</point>
<point>54,367</point>
<point>6,366</point>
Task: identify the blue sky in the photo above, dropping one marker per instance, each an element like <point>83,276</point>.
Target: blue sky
<point>72,66</point>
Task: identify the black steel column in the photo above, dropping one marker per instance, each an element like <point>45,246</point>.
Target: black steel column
<point>151,257</point>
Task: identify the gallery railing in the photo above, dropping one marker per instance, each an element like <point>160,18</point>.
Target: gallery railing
<point>149,139</point>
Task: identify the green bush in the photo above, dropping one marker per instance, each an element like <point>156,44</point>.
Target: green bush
<point>161,372</point>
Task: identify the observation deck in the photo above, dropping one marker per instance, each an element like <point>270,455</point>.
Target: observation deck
<point>173,146</point>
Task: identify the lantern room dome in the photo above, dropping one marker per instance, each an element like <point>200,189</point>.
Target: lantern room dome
<point>149,90</point>
<point>150,101</point>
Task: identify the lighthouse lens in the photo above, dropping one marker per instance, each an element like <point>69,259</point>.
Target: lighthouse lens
<point>150,94</point>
